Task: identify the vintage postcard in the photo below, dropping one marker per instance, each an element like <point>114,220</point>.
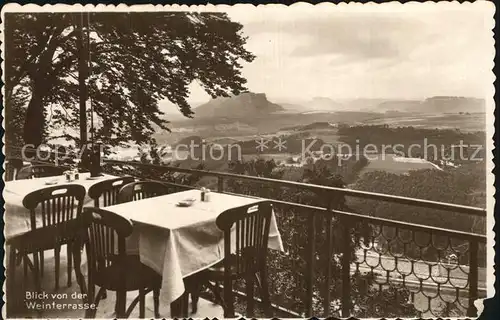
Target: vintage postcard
<point>248,161</point>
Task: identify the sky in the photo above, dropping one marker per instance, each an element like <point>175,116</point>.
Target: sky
<point>358,51</point>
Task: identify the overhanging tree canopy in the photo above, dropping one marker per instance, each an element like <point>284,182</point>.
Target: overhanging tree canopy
<point>136,59</point>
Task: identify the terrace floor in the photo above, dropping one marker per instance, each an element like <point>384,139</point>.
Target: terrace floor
<point>106,307</point>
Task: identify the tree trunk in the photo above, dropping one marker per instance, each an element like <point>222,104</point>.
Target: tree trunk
<point>82,76</point>
<point>34,122</point>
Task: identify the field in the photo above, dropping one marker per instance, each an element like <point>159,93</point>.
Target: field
<point>393,164</point>
<point>323,126</point>
<point>227,130</point>
<point>465,122</point>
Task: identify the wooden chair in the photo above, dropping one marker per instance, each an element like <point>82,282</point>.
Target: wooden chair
<point>38,240</point>
<point>12,167</point>
<point>142,190</point>
<point>147,189</point>
<point>111,268</point>
<point>39,171</point>
<point>106,192</point>
<point>58,205</point>
<point>245,258</point>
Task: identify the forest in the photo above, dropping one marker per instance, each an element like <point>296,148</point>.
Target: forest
<point>445,141</point>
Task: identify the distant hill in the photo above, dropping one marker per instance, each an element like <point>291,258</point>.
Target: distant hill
<point>444,104</point>
<point>195,140</point>
<point>244,105</point>
<point>315,104</point>
<point>363,104</point>
<point>400,105</point>
<point>313,126</point>
<point>323,103</point>
<point>435,105</point>
<point>293,107</point>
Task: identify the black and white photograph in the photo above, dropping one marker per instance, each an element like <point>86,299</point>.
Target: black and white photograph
<point>245,161</point>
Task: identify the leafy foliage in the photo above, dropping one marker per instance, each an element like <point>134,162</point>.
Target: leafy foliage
<point>288,271</point>
<point>16,113</point>
<point>136,59</point>
<point>461,187</point>
<point>464,185</point>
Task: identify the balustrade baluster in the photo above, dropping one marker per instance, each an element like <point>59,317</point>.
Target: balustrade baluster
<point>473,277</point>
<point>329,252</point>
<point>220,184</point>
<point>310,266</point>
<point>346,276</point>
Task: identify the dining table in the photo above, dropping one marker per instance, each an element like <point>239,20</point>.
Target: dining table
<point>174,241</point>
<point>17,217</point>
<point>178,241</point>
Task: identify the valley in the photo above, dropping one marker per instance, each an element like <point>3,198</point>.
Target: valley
<point>355,145</point>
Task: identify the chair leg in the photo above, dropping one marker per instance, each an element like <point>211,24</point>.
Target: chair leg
<point>42,268</point>
<point>156,302</point>
<point>57,258</point>
<point>266,299</point>
<point>180,307</point>
<point>228,299</point>
<point>25,266</point>
<point>96,301</point>
<point>142,303</point>
<point>216,291</point>
<point>11,303</point>
<point>36,276</point>
<point>90,300</point>
<point>250,283</point>
<point>121,297</point>
<point>117,305</point>
<point>69,265</point>
<point>195,297</point>
<point>80,279</point>
<point>36,256</point>
<point>37,272</point>
<point>185,305</point>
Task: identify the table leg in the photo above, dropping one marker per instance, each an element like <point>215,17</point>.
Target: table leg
<point>180,307</point>
<point>11,272</point>
<point>80,279</point>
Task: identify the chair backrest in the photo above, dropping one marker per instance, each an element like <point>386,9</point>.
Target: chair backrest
<point>142,190</point>
<point>58,204</point>
<point>248,228</point>
<point>12,166</point>
<point>44,238</point>
<point>39,171</point>
<point>104,236</point>
<point>108,190</point>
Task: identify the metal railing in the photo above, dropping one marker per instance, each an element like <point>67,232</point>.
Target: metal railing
<point>330,262</point>
<point>323,260</point>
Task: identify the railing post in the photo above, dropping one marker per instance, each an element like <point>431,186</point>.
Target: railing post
<point>220,184</point>
<point>329,248</point>
<point>473,277</point>
<point>310,265</point>
<point>346,266</point>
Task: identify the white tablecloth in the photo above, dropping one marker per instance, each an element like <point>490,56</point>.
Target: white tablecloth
<point>179,241</point>
<point>16,217</point>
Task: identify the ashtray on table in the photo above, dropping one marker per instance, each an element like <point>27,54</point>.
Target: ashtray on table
<point>95,178</point>
<point>186,202</point>
<point>52,182</point>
